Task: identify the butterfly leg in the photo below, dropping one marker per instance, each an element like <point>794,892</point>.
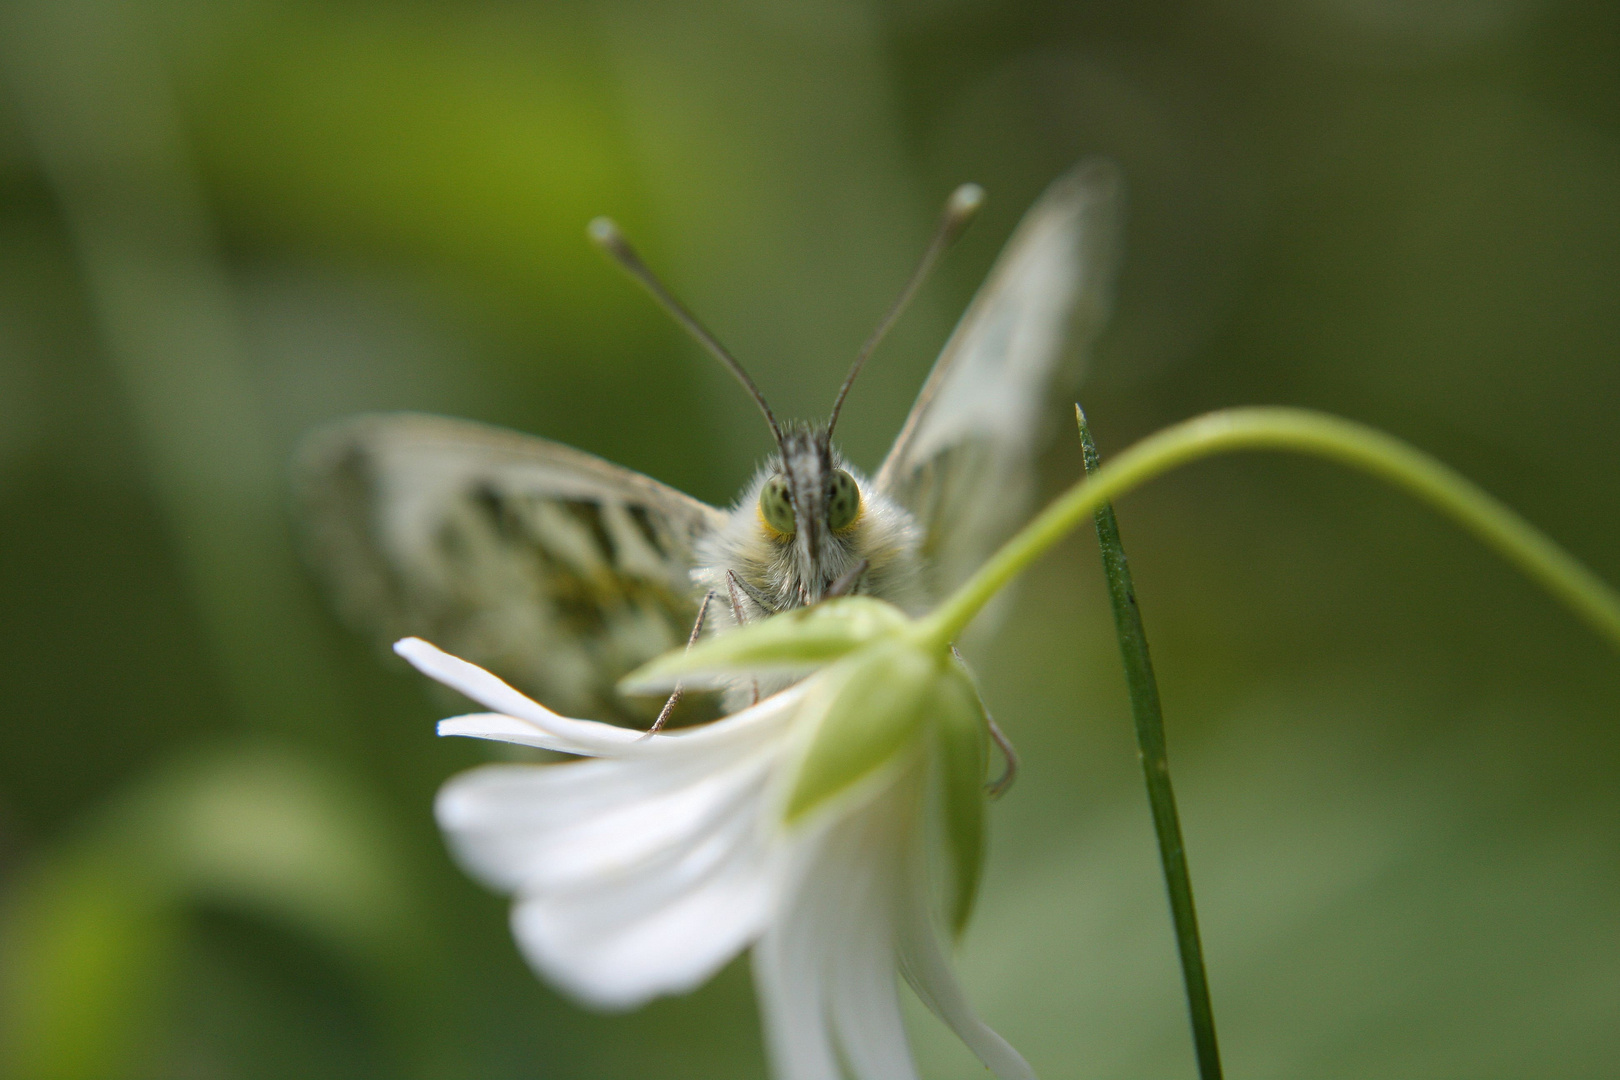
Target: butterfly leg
<point>997,787</point>
<point>736,589</point>
<point>850,580</point>
<point>846,583</point>
<point>675,695</point>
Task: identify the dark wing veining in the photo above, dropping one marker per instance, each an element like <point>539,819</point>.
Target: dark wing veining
<point>963,463</point>
<point>556,570</point>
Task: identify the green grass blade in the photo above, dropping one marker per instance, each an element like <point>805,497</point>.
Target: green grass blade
<point>1145,710</point>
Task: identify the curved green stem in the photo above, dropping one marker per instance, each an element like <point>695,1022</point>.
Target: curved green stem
<point>1305,432</point>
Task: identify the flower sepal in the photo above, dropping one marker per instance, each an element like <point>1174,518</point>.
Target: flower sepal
<point>793,643</point>
<point>859,714</point>
<point>962,741</point>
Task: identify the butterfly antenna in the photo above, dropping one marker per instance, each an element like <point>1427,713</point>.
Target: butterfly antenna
<point>606,235</point>
<point>959,210</point>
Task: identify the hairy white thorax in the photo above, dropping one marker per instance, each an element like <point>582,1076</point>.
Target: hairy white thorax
<point>781,570</point>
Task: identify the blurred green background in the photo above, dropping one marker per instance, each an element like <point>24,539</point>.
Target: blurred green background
<point>223,222</point>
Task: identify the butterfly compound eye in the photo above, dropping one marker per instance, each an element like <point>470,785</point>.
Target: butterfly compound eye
<point>776,506</point>
<point>843,501</point>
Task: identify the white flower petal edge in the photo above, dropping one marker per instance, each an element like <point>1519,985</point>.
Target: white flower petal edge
<point>645,871</point>
<point>549,730</point>
<point>825,968</point>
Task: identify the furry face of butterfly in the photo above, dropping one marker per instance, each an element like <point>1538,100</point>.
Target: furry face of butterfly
<point>808,526</point>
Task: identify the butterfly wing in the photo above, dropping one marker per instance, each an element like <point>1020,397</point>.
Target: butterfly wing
<point>556,570</point>
<point>963,462</point>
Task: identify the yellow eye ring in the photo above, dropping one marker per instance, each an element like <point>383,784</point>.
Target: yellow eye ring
<point>776,507</point>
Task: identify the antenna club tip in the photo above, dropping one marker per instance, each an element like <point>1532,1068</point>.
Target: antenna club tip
<point>605,232</point>
<point>964,203</point>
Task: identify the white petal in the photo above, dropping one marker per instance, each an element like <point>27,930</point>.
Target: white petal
<point>788,977</point>
<point>825,969</point>
<point>503,728</point>
<point>636,876</point>
<point>519,719</point>
<point>926,967</point>
<point>765,719</point>
<point>866,1011</point>
<point>533,827</point>
<point>663,931</point>
<point>865,999</point>
<point>571,736</point>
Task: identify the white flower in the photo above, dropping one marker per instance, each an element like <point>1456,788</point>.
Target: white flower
<point>643,871</point>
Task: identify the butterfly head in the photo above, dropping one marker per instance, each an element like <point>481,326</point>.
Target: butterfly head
<point>810,507</point>
<point>812,524</point>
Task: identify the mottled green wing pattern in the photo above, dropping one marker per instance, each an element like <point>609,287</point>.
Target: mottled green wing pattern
<point>556,570</point>
<point>963,464</point>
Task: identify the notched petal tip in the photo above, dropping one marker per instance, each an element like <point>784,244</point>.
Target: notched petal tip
<point>532,723</point>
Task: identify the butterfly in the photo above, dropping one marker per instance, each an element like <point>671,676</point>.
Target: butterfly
<point>562,572</point>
